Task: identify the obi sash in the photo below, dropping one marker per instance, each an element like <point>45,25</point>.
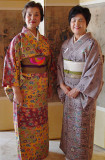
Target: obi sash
<point>36,64</point>
<point>74,69</point>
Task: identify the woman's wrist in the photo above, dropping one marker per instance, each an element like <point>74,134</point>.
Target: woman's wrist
<point>62,85</point>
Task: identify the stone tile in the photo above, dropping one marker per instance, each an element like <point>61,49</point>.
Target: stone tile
<point>8,149</point>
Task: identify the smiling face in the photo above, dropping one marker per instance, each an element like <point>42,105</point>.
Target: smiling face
<point>32,17</point>
<point>78,25</point>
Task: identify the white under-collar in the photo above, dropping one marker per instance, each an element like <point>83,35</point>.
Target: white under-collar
<point>79,38</point>
<point>37,36</point>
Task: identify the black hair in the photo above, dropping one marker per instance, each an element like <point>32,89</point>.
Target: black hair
<point>32,4</point>
<point>80,10</point>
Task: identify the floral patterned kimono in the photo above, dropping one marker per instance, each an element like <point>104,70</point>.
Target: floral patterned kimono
<point>26,65</point>
<point>79,113</point>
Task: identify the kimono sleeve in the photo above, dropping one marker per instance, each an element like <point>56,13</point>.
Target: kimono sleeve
<point>12,64</point>
<point>91,81</point>
<point>60,77</point>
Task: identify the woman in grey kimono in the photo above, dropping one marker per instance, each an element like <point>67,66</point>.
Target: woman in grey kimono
<point>80,72</point>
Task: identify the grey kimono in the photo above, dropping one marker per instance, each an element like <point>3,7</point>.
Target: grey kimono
<point>79,113</point>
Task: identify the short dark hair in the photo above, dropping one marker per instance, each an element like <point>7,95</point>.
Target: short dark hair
<point>32,4</point>
<point>80,10</point>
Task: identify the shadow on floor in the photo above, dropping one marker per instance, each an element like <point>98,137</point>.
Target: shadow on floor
<point>55,156</point>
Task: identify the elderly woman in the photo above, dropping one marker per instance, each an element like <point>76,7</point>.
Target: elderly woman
<point>25,73</point>
<point>80,72</point>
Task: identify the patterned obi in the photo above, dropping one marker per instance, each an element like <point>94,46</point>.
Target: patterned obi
<point>73,69</point>
<point>37,64</point>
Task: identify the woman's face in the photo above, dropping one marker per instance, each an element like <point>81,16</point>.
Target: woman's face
<point>78,25</point>
<point>32,17</point>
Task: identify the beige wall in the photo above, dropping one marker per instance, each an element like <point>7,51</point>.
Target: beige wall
<point>80,1</point>
<point>99,137</point>
<point>95,1</point>
<point>71,2</point>
<point>88,2</point>
<point>20,3</point>
<point>61,2</point>
<point>12,5</point>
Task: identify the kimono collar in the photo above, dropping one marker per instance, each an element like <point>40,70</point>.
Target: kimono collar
<point>78,39</point>
<point>40,46</point>
<point>70,43</point>
<point>36,37</point>
<point>81,39</point>
<point>29,34</point>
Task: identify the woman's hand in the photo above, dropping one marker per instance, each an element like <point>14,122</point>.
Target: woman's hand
<point>65,88</point>
<point>18,98</point>
<point>73,93</point>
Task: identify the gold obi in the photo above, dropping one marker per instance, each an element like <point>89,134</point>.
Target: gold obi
<point>37,64</point>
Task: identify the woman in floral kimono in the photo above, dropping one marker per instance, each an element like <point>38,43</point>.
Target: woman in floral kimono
<point>25,73</point>
<point>80,72</point>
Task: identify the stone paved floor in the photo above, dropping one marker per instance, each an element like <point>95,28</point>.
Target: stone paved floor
<point>8,149</point>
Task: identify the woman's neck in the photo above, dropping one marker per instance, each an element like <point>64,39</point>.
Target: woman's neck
<point>34,31</point>
<point>76,38</point>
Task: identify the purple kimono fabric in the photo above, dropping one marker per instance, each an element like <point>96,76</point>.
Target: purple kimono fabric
<point>79,113</point>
